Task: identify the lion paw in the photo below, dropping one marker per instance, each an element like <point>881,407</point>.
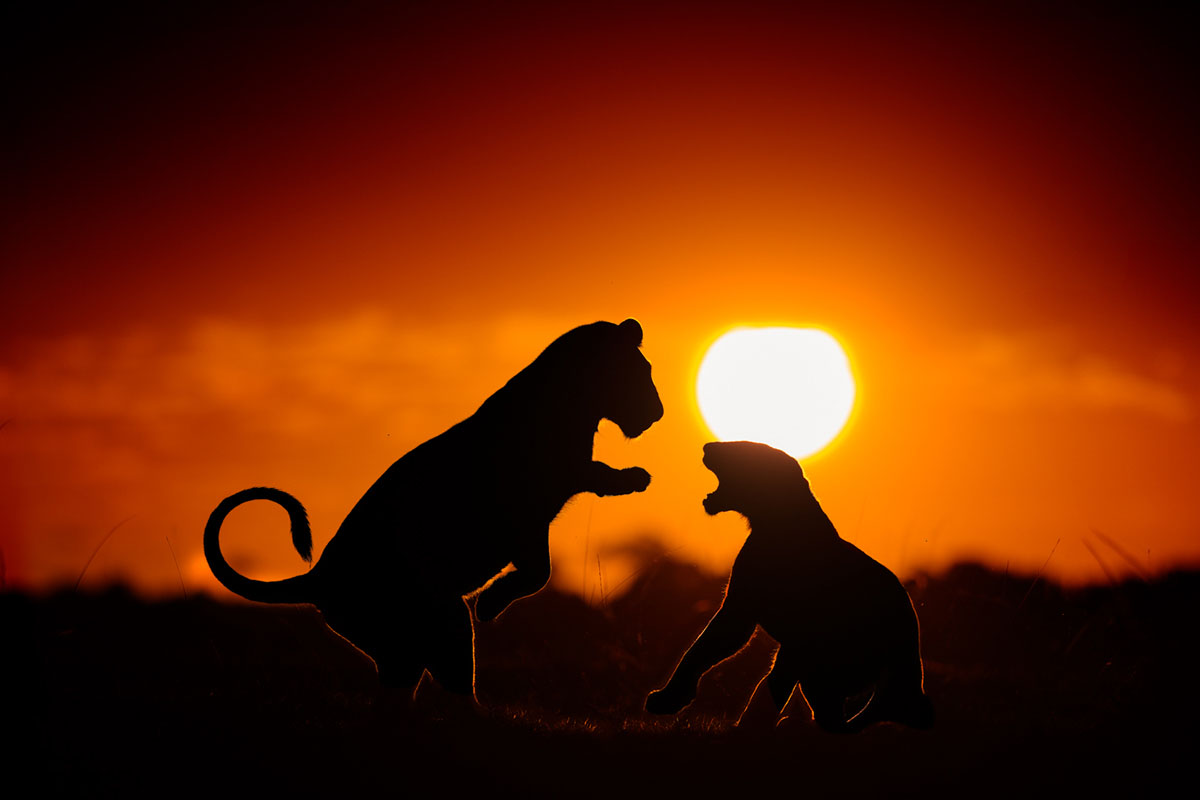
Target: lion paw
<point>633,479</point>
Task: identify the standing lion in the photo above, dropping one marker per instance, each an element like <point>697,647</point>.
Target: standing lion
<point>844,623</point>
<point>467,512</point>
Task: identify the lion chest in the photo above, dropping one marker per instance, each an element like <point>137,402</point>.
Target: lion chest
<point>833,604</point>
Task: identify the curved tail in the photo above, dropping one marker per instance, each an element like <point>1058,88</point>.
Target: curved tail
<point>289,590</point>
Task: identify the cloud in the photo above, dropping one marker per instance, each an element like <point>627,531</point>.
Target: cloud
<point>291,379</point>
<point>1013,372</point>
<point>160,423</point>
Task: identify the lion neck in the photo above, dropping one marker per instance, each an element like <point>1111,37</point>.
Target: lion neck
<point>782,519</point>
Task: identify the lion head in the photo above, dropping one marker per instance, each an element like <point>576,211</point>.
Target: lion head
<point>754,479</point>
<point>598,370</point>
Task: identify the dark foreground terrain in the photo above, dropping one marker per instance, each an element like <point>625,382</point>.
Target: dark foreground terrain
<point>1039,692</point>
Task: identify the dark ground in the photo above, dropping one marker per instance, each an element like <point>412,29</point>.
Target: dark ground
<point>1038,692</point>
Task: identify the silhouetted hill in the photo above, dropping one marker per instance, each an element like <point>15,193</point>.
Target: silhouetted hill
<point>1038,690</point>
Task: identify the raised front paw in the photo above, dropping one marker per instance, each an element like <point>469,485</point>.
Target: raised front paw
<point>633,479</point>
<point>669,700</point>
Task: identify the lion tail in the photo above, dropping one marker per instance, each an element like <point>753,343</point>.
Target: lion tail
<point>288,590</point>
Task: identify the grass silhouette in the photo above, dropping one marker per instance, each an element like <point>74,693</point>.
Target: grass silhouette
<point>1038,689</point>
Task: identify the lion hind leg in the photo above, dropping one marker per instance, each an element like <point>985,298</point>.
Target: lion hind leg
<point>771,695</point>
<point>917,712</point>
<point>828,711</point>
<point>905,700</point>
<point>450,648</point>
<point>782,679</point>
<point>913,709</point>
<point>372,630</point>
<point>826,697</point>
<point>898,698</point>
<point>759,711</point>
<point>399,673</point>
<point>397,665</point>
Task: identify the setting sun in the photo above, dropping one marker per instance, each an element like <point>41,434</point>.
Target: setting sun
<point>790,388</point>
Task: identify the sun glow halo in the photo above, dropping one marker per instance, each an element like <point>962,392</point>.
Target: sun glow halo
<point>790,388</point>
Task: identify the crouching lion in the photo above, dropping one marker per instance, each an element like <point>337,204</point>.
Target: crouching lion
<point>457,511</point>
<point>845,625</point>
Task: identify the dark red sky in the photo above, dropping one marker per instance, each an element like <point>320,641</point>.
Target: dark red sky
<point>212,209</point>
<point>141,132</point>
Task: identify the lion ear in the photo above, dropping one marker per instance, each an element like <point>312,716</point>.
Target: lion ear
<point>632,330</point>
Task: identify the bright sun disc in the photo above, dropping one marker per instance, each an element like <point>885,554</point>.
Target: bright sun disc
<point>790,388</point>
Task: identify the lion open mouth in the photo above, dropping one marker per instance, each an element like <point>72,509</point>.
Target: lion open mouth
<point>635,430</point>
<point>712,501</point>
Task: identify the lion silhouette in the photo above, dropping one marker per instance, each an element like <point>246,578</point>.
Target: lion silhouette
<point>844,623</point>
<point>467,513</point>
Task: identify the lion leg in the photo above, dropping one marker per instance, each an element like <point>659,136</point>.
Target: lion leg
<point>782,679</point>
<point>370,629</point>
<point>397,663</point>
<point>771,695</point>
<point>911,705</point>
<point>827,711</point>
<point>450,647</point>
<point>827,704</point>
<point>760,710</point>
<point>604,481</point>
<point>398,671</point>
<point>898,698</point>
<point>726,633</point>
<point>531,572</point>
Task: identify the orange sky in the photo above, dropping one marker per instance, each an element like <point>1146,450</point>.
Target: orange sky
<point>280,247</point>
